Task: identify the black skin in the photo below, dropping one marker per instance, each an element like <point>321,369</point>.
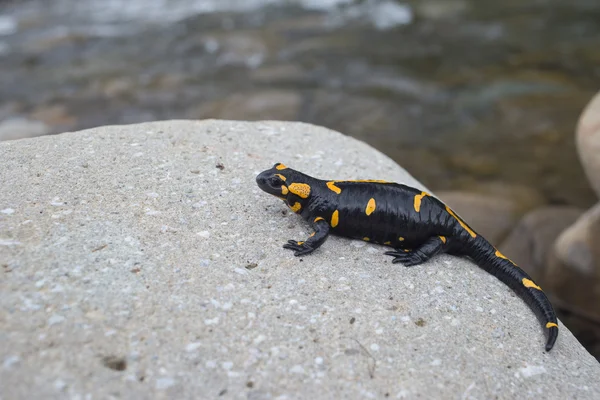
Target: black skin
<point>418,226</point>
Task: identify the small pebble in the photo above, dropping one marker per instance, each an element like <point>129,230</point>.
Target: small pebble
<point>227,365</point>
<point>438,290</point>
<point>55,319</point>
<point>259,339</point>
<point>297,369</point>
<point>193,347</point>
<point>532,370</point>
<point>164,383</point>
<point>10,361</point>
<point>204,262</point>
<point>59,384</point>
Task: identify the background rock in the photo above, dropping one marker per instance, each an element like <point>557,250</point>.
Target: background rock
<point>578,245</point>
<point>493,214</point>
<point>531,242</point>
<point>269,104</point>
<point>588,142</point>
<point>19,128</point>
<point>575,276</point>
<point>142,261</point>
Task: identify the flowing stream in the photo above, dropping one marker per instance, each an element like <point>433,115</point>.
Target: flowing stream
<point>462,93</point>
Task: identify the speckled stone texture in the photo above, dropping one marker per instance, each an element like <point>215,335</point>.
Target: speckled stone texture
<point>143,261</point>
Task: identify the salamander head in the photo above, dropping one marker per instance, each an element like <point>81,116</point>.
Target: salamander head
<point>289,185</point>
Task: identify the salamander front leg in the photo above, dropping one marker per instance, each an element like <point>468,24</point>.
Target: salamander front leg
<point>432,246</point>
<point>314,241</point>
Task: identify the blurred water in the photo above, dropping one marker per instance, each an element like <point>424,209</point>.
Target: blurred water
<point>117,17</point>
<point>460,92</point>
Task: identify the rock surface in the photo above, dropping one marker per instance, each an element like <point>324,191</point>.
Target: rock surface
<point>588,142</point>
<point>142,261</point>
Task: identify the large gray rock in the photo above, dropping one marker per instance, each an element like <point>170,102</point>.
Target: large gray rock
<point>142,261</point>
<point>588,142</point>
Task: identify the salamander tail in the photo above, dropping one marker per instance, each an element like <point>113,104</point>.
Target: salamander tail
<point>552,335</point>
<point>494,262</point>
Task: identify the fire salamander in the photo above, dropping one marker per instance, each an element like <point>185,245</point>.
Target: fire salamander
<point>417,225</point>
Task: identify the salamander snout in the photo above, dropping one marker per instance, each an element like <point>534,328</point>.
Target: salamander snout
<point>271,183</point>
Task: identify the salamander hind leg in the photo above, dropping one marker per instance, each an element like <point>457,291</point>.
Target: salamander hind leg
<point>432,246</point>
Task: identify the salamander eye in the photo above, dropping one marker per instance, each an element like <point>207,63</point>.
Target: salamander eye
<point>275,181</point>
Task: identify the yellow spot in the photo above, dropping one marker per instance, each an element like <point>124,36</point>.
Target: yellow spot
<point>366,239</point>
<point>388,243</point>
<point>370,206</point>
<point>418,199</point>
<point>551,325</point>
<point>500,255</point>
<point>280,177</point>
<point>284,190</point>
<point>366,180</point>
<point>312,234</point>
<point>332,187</point>
<point>530,284</point>
<point>296,207</point>
<point>401,239</point>
<point>406,250</point>
<point>319,219</point>
<point>280,166</point>
<point>335,218</point>
<point>300,242</point>
<point>461,222</point>
<point>300,189</point>
<point>443,239</point>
